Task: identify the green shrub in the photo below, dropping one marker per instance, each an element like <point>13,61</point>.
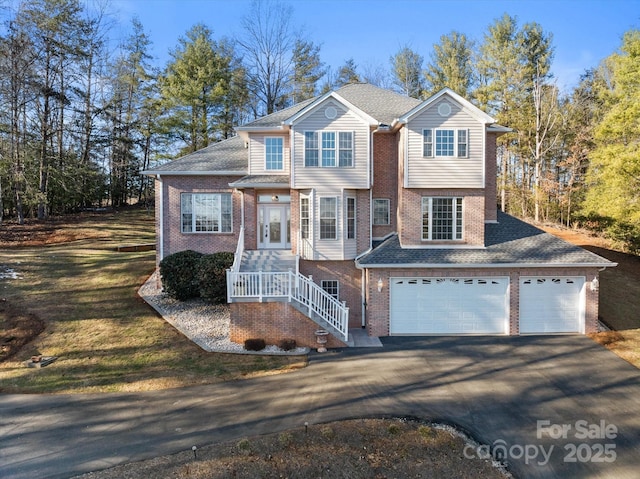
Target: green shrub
<point>212,276</point>
<point>287,344</point>
<point>254,344</point>
<point>179,274</point>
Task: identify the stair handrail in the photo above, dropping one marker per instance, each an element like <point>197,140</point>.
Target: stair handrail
<point>237,256</point>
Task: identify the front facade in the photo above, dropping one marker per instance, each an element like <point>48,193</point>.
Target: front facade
<point>363,208</point>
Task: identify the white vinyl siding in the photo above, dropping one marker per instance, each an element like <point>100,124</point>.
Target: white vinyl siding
<point>444,152</point>
<point>348,163</point>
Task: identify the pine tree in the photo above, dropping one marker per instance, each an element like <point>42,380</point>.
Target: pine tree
<point>451,65</point>
<point>406,66</point>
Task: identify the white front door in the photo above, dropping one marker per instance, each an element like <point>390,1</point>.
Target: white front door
<point>274,227</point>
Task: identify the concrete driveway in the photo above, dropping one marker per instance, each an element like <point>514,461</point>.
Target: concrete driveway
<point>522,395</point>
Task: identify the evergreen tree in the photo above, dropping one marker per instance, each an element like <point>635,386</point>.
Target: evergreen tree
<point>451,65</point>
<point>406,66</point>
<point>307,70</point>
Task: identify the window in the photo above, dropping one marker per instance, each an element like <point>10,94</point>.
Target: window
<point>328,218</point>
<point>310,148</point>
<point>380,212</point>
<point>304,218</point>
<point>328,149</point>
<point>206,212</point>
<point>273,153</point>
<point>447,143</point>
<point>441,218</point>
<point>351,218</point>
<point>345,148</point>
<point>331,287</point>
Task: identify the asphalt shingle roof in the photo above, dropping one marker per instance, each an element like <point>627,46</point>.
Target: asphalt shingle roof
<point>262,179</point>
<point>383,105</point>
<point>225,156</point>
<point>510,241</point>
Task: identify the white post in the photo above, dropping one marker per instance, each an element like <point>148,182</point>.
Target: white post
<point>309,289</point>
<point>260,286</point>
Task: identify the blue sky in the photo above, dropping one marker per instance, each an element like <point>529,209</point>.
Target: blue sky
<point>371,31</point>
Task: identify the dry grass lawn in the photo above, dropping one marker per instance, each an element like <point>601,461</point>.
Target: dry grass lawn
<point>355,449</point>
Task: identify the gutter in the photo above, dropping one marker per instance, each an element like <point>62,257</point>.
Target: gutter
<point>483,265</point>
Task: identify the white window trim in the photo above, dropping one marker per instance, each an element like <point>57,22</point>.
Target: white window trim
<point>193,215</point>
<point>454,220</point>
<point>266,165</point>
<point>308,218</point>
<point>373,216</point>
<point>355,218</point>
<point>336,149</point>
<point>335,218</point>
<point>456,139</point>
<point>337,285</point>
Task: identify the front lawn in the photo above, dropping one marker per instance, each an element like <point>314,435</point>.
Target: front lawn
<point>104,336</point>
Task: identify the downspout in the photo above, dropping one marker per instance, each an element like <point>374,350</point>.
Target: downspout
<point>161,221</point>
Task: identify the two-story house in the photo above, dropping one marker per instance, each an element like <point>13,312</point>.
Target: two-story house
<point>363,208</point>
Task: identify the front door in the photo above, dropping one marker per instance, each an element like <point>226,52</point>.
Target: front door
<point>275,226</point>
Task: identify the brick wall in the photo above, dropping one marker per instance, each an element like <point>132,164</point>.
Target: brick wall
<point>174,239</point>
<point>491,178</point>
<point>349,278</point>
<point>385,178</point>
<point>273,322</point>
<point>411,222</point>
<point>378,303</point>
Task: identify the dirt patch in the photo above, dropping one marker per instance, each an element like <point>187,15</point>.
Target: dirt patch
<point>355,449</point>
<point>17,329</point>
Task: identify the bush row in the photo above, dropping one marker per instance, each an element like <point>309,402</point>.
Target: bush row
<point>189,274</point>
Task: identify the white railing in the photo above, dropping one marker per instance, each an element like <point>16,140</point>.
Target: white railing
<point>291,286</point>
<point>237,256</point>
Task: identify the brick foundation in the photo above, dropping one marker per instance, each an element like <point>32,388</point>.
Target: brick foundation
<point>273,322</point>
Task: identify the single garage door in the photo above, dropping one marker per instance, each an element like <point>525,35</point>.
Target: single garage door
<point>552,304</point>
<point>449,305</point>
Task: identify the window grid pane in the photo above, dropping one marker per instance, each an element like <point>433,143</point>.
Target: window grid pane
<point>328,148</point>
<point>328,227</point>
<point>304,217</point>
<point>427,143</point>
<point>380,212</point>
<point>462,143</point>
<point>458,218</point>
<point>345,145</point>
<point>425,218</point>
<point>273,152</point>
<point>310,148</point>
<point>203,212</point>
<point>441,218</point>
<point>351,218</point>
<point>444,142</point>
<point>331,287</point>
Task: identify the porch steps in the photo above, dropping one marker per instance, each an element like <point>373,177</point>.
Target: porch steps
<point>271,261</point>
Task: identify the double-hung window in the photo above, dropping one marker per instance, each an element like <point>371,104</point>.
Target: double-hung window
<point>206,212</point>
<point>381,211</point>
<point>351,218</point>
<point>273,153</point>
<point>328,218</point>
<point>445,142</point>
<point>331,287</point>
<point>328,149</point>
<point>441,219</point>
<point>304,217</point>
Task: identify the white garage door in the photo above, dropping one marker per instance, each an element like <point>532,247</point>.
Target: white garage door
<point>449,305</point>
<point>552,304</point>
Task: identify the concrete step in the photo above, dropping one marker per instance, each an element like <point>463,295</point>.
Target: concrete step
<point>267,260</point>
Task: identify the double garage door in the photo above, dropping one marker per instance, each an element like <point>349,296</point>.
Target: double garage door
<point>481,305</point>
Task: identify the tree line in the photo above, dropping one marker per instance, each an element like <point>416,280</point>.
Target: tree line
<point>80,119</point>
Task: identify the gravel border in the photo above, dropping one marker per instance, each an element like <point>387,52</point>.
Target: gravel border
<point>205,324</point>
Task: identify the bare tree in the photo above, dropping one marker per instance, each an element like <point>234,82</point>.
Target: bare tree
<point>268,43</point>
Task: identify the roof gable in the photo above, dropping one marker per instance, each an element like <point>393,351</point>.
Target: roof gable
<point>324,99</point>
<point>466,105</point>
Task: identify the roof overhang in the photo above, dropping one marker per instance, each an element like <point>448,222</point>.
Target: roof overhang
<point>486,265</point>
<point>192,173</point>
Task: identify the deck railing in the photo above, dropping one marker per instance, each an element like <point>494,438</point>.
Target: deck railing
<point>260,286</point>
